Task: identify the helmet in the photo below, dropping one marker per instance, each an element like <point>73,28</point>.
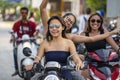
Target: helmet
<point>100,12</point>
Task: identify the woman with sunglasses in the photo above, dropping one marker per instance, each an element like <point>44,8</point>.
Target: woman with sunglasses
<point>69,21</point>
<point>94,28</point>
<point>57,48</point>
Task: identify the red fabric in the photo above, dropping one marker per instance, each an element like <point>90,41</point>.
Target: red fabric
<point>17,28</point>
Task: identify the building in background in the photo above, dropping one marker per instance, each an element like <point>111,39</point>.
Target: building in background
<point>113,9</point>
<point>58,6</point>
<point>55,7</point>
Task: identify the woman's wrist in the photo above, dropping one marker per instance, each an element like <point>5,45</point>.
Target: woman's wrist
<point>37,59</point>
<point>112,32</point>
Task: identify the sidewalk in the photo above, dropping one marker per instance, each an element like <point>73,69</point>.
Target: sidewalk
<point>6,24</point>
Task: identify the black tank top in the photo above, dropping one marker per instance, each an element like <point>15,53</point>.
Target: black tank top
<point>92,46</point>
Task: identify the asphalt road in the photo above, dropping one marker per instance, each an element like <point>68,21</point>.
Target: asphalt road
<point>6,55</point>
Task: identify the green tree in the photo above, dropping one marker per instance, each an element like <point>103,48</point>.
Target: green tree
<point>6,5</point>
<point>97,5</point>
<point>3,6</point>
<point>35,10</point>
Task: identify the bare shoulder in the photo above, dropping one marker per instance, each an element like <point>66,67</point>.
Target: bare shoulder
<point>44,43</point>
<point>68,41</point>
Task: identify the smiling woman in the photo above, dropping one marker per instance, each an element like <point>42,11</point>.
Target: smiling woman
<point>55,28</point>
<point>94,28</point>
<point>57,48</point>
<point>69,20</point>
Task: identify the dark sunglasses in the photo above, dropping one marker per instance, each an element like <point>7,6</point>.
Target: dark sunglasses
<point>24,12</point>
<point>93,21</point>
<point>51,26</point>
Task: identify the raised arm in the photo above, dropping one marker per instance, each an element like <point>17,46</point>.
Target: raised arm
<point>44,15</point>
<point>79,39</point>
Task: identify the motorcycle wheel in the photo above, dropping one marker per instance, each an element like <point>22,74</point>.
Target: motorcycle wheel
<point>28,75</point>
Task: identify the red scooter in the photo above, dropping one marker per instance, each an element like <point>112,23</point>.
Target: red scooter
<point>103,65</point>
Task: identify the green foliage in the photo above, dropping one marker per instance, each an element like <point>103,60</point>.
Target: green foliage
<point>4,4</point>
<point>7,5</point>
<point>37,12</point>
<point>97,4</point>
<point>37,15</point>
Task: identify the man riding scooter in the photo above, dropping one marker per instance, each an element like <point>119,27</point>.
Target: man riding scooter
<point>22,26</point>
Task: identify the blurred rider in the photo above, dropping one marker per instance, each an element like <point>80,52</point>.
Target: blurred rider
<point>22,26</point>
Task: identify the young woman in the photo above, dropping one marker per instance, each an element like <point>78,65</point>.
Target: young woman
<point>69,21</point>
<point>95,28</point>
<point>57,48</point>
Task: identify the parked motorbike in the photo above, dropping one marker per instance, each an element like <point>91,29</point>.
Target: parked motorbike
<point>26,51</point>
<point>103,65</point>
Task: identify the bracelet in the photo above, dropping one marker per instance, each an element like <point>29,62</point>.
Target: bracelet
<point>37,57</point>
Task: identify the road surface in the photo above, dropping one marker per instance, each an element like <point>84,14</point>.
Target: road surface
<point>6,55</point>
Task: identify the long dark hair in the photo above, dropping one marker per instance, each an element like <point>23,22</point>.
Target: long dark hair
<point>31,15</point>
<point>48,35</point>
<point>88,27</point>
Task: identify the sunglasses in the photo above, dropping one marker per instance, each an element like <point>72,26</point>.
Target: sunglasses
<point>93,21</point>
<point>68,19</point>
<point>51,26</point>
<point>24,12</point>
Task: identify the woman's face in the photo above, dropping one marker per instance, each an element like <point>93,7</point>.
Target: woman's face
<point>95,22</point>
<point>55,28</point>
<point>69,21</point>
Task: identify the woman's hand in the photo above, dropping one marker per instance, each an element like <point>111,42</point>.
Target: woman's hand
<point>29,67</point>
<point>79,66</point>
<point>116,31</point>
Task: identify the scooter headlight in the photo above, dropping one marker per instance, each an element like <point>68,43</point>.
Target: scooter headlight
<point>27,51</point>
<point>51,77</point>
<point>27,61</point>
